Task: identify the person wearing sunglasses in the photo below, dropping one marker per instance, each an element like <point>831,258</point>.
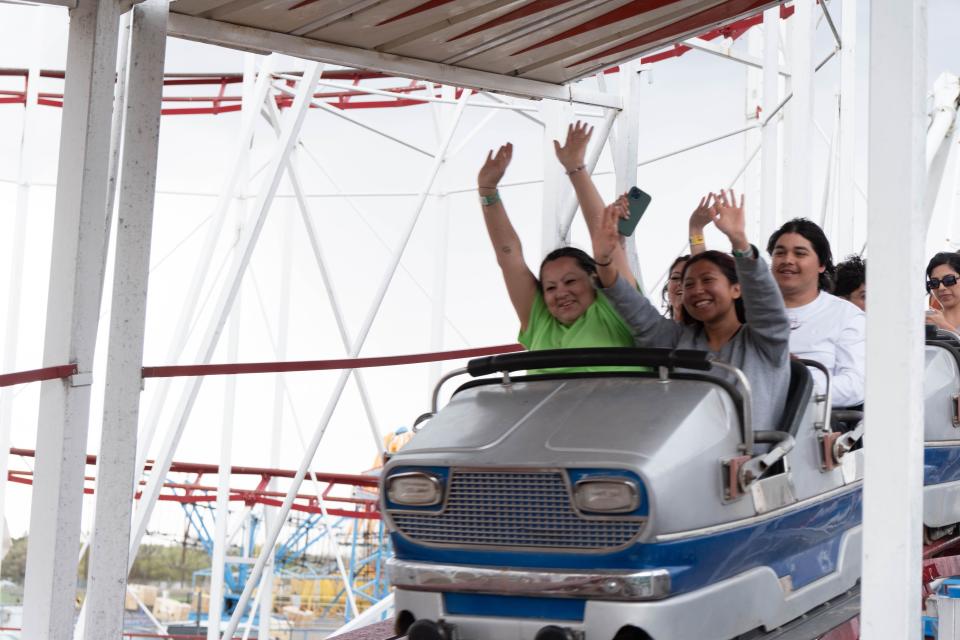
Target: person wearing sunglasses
<point>942,274</point>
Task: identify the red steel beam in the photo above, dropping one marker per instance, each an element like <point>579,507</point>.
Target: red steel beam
<point>720,13</point>
<point>173,371</point>
<point>357,480</point>
<point>37,375</point>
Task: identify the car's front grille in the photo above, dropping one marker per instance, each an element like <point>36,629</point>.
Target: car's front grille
<point>516,509</point>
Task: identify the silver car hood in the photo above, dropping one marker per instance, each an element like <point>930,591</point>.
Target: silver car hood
<point>605,422</point>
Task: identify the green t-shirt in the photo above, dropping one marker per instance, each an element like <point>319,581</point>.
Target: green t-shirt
<point>599,326</point>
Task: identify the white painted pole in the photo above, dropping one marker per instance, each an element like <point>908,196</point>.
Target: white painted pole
<point>109,543</point>
<point>753,103</point>
<point>344,376</point>
<point>893,473</point>
<point>441,252</point>
<point>276,433</point>
<point>770,151</point>
<point>222,512</point>
<point>17,247</point>
<point>798,179</point>
<point>941,137</point>
<point>76,280</point>
<point>828,177</point>
<point>556,117</point>
<point>846,188</point>
<point>214,232</point>
<point>291,129</point>
<point>953,231</point>
<point>221,543</point>
<point>625,148</point>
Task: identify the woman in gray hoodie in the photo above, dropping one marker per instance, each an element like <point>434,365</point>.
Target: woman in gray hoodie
<point>731,307</point>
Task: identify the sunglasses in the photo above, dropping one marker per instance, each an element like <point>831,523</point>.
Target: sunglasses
<point>934,283</point>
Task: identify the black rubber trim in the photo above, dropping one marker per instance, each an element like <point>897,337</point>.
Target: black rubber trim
<point>596,357</point>
<point>729,387</point>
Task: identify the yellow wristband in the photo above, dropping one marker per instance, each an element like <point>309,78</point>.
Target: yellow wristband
<point>697,239</point>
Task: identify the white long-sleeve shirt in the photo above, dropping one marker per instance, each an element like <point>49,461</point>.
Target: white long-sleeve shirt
<point>832,331</point>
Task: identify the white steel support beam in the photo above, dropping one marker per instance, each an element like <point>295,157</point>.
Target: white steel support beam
<point>17,249</point>
<point>752,108</point>
<point>249,109</point>
<point>116,470</point>
<point>941,136</point>
<point>275,440</point>
<point>752,60</point>
<point>291,129</point>
<point>625,147</point>
<point>893,473</point>
<point>247,38</point>
<point>311,448</point>
<point>76,280</point>
<point>798,176</point>
<point>953,230</point>
<point>190,304</point>
<point>441,248</point>
<point>222,508</point>
<point>846,188</point>
<point>556,116</point>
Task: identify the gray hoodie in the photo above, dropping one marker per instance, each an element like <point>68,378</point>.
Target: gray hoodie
<point>761,349</point>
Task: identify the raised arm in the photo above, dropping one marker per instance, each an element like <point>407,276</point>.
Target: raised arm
<point>572,156</point>
<point>648,327</point>
<point>762,302</point>
<point>520,281</point>
<point>699,219</point>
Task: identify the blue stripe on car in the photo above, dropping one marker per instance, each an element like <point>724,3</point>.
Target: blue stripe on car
<point>941,464</point>
<point>475,604</point>
<point>803,544</point>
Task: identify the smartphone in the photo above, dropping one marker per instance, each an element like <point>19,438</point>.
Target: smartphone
<point>637,202</point>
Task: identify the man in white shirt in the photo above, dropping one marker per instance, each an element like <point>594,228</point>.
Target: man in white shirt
<point>823,327</point>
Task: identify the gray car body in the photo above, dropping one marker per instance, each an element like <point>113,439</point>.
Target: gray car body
<point>941,501</point>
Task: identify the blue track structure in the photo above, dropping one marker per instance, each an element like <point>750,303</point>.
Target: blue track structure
<point>369,549</point>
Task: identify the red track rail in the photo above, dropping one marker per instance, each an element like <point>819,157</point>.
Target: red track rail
<point>359,502</point>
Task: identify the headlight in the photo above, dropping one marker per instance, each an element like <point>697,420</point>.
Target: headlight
<point>607,495</point>
<point>414,489</point>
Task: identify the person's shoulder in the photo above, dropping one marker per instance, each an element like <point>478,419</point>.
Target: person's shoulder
<point>840,305</point>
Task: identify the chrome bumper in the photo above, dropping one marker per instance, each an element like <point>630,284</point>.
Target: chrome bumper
<point>612,585</point>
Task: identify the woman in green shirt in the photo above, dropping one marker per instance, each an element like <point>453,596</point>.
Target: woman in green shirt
<point>561,308</point>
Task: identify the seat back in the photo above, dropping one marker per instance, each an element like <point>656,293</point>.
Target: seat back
<point>798,397</point>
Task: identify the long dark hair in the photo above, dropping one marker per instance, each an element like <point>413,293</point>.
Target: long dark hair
<point>821,246</point>
<point>949,258</point>
<point>728,268</point>
<point>850,274</point>
<point>664,300</point>
<point>584,261</point>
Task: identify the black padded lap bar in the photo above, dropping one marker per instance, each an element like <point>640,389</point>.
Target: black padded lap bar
<point>598,357</point>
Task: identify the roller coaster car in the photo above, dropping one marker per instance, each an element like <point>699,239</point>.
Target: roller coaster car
<point>619,505</point>
<point>941,474</point>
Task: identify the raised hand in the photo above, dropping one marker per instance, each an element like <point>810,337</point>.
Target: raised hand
<point>730,219</point>
<point>571,155</point>
<point>495,166</point>
<point>607,239</point>
<point>703,214</point>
